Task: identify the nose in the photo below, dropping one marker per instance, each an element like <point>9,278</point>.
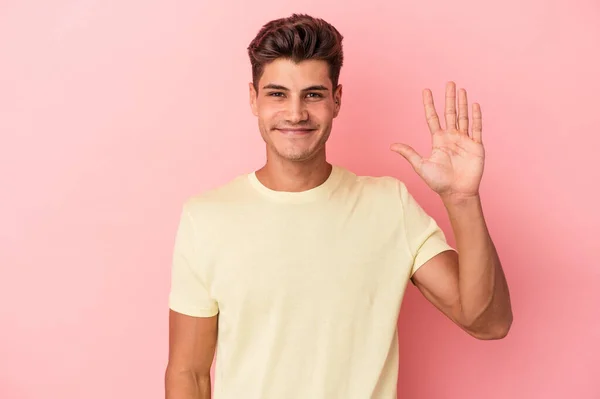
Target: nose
<point>296,111</point>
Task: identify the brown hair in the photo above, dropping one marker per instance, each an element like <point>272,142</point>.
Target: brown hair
<point>298,37</point>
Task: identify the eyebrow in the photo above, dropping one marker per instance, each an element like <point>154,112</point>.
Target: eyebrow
<point>283,88</point>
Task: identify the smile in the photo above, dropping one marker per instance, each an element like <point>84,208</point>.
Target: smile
<point>296,132</point>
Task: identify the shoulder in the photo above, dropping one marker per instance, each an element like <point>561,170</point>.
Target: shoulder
<point>218,199</point>
<point>384,186</point>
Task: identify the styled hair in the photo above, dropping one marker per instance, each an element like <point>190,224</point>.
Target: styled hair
<point>298,38</point>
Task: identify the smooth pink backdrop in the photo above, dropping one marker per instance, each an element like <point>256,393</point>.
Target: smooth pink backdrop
<point>113,112</point>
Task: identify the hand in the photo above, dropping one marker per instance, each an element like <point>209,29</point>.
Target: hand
<point>455,166</point>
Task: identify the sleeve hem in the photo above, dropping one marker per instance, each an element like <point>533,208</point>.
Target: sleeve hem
<point>425,256</point>
<point>195,311</point>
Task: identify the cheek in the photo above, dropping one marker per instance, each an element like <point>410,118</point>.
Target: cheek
<point>322,114</point>
<point>269,112</point>
<point>269,117</point>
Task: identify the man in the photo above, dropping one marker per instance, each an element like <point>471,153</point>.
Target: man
<point>297,270</point>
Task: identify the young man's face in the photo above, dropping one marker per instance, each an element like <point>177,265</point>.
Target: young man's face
<point>295,106</point>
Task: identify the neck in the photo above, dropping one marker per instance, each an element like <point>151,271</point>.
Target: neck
<point>283,175</point>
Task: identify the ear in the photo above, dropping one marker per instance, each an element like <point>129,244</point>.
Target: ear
<point>253,94</point>
<point>337,98</point>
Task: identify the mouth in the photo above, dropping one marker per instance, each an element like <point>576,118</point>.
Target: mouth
<point>296,131</point>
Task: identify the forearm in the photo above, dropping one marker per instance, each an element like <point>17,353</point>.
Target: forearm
<point>483,290</point>
<point>187,385</point>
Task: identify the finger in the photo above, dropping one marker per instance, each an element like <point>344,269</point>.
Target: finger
<point>432,118</point>
<point>463,112</point>
<point>450,111</point>
<point>409,154</point>
<point>477,123</point>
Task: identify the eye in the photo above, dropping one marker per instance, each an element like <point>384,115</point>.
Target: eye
<point>315,95</point>
<point>275,94</point>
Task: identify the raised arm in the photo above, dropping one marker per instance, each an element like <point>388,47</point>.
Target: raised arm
<point>469,287</point>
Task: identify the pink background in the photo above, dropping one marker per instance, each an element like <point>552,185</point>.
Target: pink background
<point>113,112</point>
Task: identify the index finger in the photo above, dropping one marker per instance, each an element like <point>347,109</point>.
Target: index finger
<point>430,114</point>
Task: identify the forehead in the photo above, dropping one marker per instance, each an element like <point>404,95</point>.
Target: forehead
<point>296,75</point>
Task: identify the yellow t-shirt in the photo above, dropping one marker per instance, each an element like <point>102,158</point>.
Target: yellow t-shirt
<point>308,285</point>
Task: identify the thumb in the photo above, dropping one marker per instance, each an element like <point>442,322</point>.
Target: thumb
<point>409,153</point>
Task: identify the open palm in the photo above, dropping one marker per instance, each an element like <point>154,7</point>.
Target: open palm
<point>455,166</point>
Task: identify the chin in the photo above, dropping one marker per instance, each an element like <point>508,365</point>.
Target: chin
<point>293,154</point>
<point>296,155</point>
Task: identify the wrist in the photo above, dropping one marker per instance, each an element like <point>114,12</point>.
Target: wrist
<point>460,200</point>
<point>464,212</point>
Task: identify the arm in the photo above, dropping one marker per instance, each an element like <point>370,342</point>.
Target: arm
<point>192,342</point>
<point>193,318</point>
<point>469,288</point>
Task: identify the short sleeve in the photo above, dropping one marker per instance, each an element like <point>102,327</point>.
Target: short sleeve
<point>425,238</point>
<point>189,294</point>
